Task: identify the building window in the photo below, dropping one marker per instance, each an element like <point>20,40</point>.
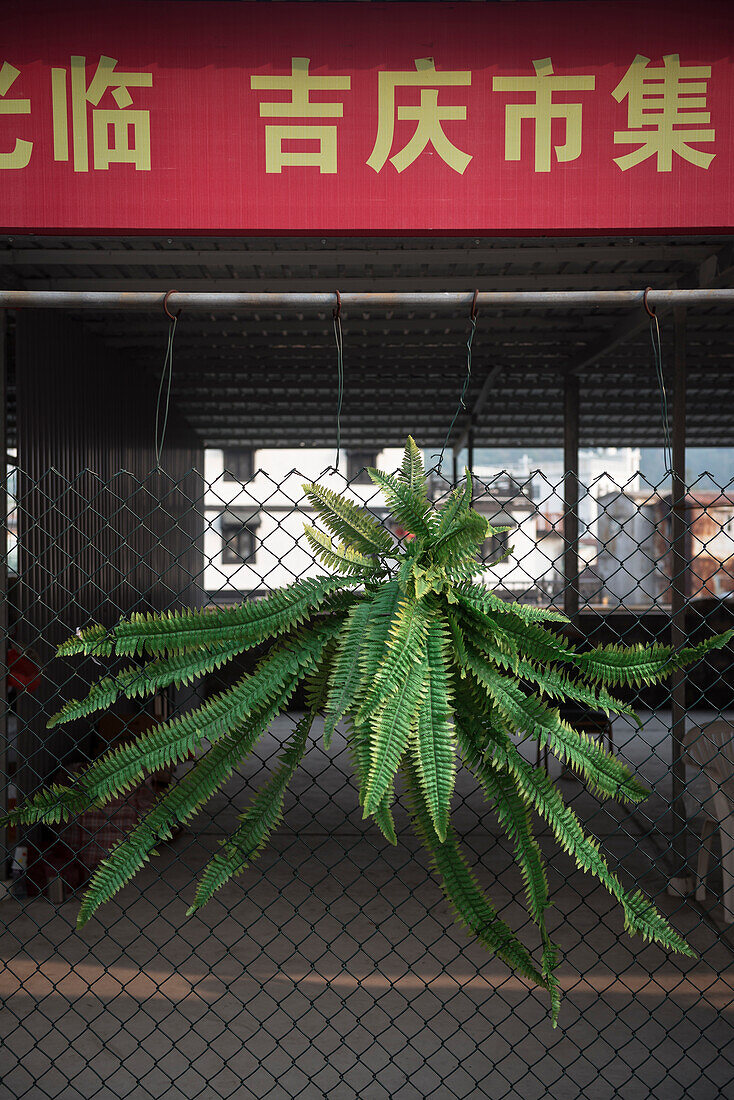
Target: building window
<point>239,533</point>
<point>238,464</point>
<point>495,546</point>
<point>356,463</point>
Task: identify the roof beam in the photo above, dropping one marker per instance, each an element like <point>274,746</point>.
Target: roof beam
<point>308,257</point>
<point>622,280</point>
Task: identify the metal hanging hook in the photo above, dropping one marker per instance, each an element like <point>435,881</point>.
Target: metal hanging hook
<point>166,310</point>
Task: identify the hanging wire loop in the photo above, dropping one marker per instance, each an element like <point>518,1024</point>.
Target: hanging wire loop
<point>166,382</point>
<point>657,354</point>
<point>467,378</point>
<point>339,342</point>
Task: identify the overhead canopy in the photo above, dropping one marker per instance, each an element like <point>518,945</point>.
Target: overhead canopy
<point>266,379</point>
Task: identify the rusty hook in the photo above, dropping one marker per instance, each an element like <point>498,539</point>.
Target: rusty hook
<point>338,311</point>
<point>473,314</point>
<point>166,310</point>
<point>650,312</point>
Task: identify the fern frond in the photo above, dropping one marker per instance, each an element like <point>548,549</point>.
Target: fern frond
<point>434,748</point>
<point>344,682</point>
<point>456,508</point>
<point>527,639</point>
<point>412,471</point>
<point>501,648</point>
<point>513,810</point>
<point>383,817</point>
<point>358,742</point>
<point>93,640</point>
<point>393,697</point>
<point>316,685</point>
<point>490,603</point>
<point>341,558</point>
<point>121,768</point>
<point>383,608</point>
<point>408,509</point>
<point>463,892</point>
<point>179,669</point>
<point>462,540</point>
<point>400,645</point>
<point>176,806</point>
<point>513,813</point>
<point>350,523</point>
<point>391,732</point>
<point>640,915</point>
<point>528,714</point>
<point>256,823</point>
<point>251,623</point>
<point>638,665</point>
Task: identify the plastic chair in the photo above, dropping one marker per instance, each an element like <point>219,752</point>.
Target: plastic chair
<point>711,749</point>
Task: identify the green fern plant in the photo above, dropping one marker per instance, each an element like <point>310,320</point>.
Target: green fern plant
<point>422,664</point>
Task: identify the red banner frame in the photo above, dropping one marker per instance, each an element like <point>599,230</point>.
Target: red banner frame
<point>498,118</point>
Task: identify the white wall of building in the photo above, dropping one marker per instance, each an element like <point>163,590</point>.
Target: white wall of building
<point>275,498</point>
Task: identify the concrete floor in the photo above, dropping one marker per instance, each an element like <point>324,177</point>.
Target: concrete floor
<point>333,968</point>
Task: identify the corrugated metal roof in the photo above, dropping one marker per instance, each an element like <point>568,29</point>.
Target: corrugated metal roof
<point>270,380</point>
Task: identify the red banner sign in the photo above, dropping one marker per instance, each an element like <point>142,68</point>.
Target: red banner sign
<point>366,118</point>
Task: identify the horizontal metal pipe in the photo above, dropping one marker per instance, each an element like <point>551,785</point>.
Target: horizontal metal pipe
<point>222,300</point>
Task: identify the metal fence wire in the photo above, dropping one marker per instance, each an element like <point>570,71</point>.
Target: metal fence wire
<point>332,967</point>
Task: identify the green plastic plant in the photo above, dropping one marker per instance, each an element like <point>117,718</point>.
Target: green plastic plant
<point>421,664</point>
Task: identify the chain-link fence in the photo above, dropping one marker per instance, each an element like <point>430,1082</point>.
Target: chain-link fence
<point>333,967</point>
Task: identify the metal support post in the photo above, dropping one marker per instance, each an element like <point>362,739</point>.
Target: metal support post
<point>679,881</point>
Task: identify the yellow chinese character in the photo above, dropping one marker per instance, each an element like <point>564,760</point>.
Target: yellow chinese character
<point>542,112</point>
<point>21,153</point>
<point>300,84</point>
<point>129,139</point>
<point>427,114</point>
<point>664,97</point>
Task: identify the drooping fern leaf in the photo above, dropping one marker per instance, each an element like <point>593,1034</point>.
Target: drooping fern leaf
<point>345,675</point>
<point>514,814</point>
<point>181,668</point>
<point>256,824</point>
<point>416,659</point>
<point>472,906</point>
<point>250,623</point>
<point>350,523</point>
<point>176,806</point>
<point>434,735</point>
